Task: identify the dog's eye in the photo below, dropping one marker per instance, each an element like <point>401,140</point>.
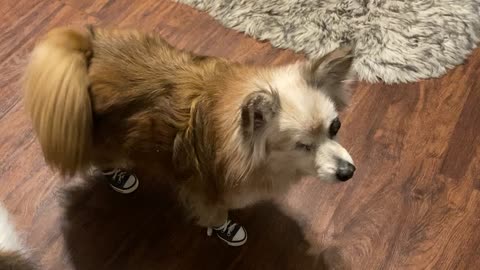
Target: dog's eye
<point>334,127</point>
<point>304,147</point>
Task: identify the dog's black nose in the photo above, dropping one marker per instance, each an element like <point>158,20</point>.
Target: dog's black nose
<point>345,170</point>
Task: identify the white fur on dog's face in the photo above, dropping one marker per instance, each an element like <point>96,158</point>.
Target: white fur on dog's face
<point>299,138</point>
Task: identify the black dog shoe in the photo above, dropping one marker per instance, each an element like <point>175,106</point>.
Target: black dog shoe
<point>121,181</point>
<point>231,233</point>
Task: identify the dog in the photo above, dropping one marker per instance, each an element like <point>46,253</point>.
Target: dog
<point>13,254</point>
<point>232,134</point>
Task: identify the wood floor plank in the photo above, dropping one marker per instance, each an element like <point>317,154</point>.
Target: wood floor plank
<point>466,139</point>
<point>19,36</point>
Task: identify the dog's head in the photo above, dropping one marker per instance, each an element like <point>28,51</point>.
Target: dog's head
<point>292,120</point>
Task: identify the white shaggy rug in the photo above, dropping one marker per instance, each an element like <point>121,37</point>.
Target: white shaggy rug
<point>395,40</point>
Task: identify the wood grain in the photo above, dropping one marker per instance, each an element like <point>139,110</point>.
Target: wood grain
<point>413,204</point>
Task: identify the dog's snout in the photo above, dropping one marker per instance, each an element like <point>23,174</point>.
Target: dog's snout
<point>345,170</point>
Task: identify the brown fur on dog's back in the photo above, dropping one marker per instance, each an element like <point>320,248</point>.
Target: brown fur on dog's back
<point>56,94</point>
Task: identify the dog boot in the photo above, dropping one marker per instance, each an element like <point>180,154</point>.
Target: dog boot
<point>231,233</point>
<point>121,181</point>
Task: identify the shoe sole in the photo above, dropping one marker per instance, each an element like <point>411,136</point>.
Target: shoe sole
<point>232,244</point>
<point>235,244</point>
<point>128,190</point>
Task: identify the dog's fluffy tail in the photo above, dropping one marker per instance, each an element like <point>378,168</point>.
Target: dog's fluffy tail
<point>57,98</point>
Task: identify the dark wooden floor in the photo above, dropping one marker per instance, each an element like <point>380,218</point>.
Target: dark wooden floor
<point>414,203</point>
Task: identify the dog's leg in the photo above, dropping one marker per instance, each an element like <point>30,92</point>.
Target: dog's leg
<point>214,216</point>
<point>206,211</point>
<point>208,215</point>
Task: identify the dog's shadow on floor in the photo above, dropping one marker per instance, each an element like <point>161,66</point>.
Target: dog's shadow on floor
<point>147,230</point>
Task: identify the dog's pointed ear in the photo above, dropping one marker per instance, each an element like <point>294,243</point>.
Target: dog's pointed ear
<point>258,109</point>
<point>332,73</point>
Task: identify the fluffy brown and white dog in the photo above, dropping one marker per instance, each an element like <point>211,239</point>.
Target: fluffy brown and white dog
<point>13,255</point>
<point>233,134</point>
